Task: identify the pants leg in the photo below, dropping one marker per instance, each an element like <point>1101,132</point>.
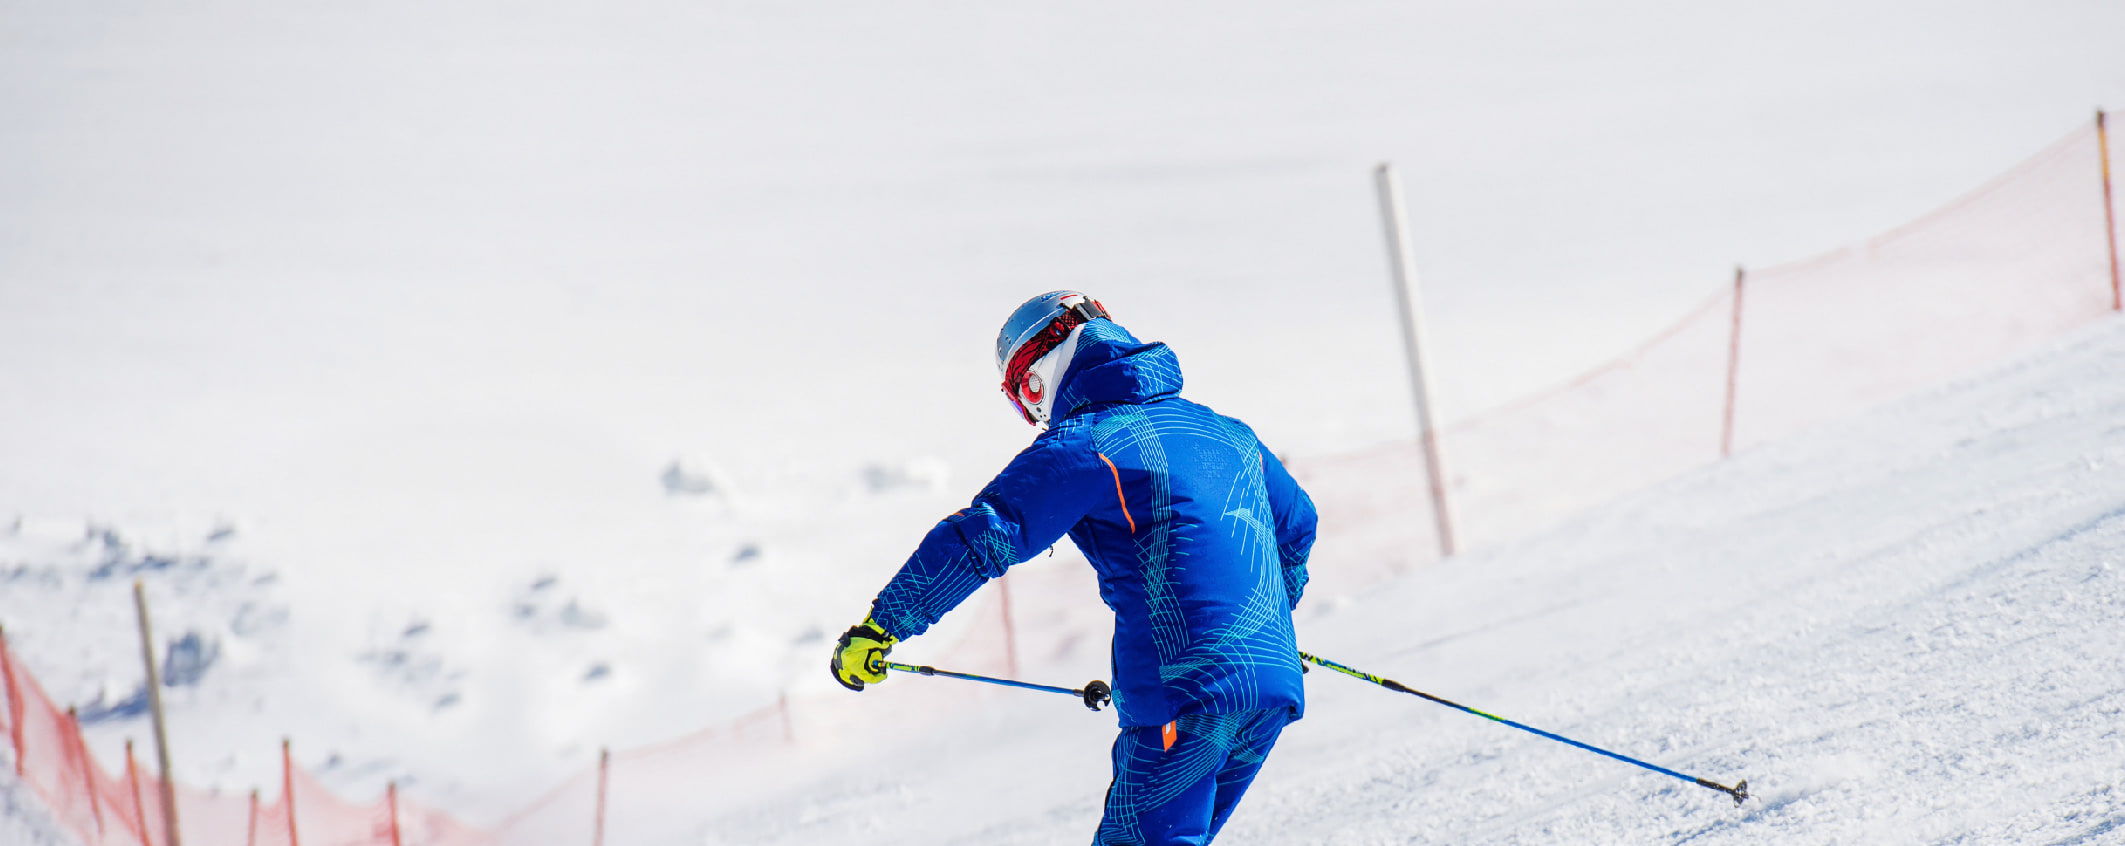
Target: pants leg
<point>1250,748</point>
<point>1183,795</point>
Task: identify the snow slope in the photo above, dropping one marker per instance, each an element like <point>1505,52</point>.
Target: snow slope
<point>23,819</point>
<point>370,336</point>
<point>1899,629</point>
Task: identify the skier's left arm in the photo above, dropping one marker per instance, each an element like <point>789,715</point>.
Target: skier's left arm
<point>1028,507</point>
<point>1295,523</point>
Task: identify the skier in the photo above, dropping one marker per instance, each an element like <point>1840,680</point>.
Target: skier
<point>1198,534</point>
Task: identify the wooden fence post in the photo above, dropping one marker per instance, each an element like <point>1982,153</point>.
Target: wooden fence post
<point>287,788</point>
<point>162,734</point>
<point>1726,432</point>
<point>2110,218</point>
<point>391,798</point>
<point>1398,254</point>
<point>604,774</point>
<point>88,774</point>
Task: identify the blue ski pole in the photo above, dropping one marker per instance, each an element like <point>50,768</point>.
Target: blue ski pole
<point>1740,790</point>
<point>1095,693</point>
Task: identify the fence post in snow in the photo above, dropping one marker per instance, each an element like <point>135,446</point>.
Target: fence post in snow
<point>1726,431</point>
<point>2110,217</point>
<point>287,788</point>
<point>132,777</point>
<point>1398,256</point>
<point>391,800</point>
<point>162,735</point>
<point>14,700</point>
<point>604,773</point>
<point>88,776</point>
<point>250,837</point>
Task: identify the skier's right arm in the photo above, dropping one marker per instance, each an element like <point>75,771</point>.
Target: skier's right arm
<point>1295,523</point>
<point>1044,491</point>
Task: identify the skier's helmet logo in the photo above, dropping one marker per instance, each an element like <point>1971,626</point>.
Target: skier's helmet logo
<point>1031,353</point>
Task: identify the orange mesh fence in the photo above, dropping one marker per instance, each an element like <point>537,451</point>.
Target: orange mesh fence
<point>324,819</point>
<point>272,825</point>
<point>1373,508</point>
<point>1646,416</point>
<point>151,828</point>
<point>208,818</point>
<point>133,812</point>
<point>52,760</point>
<point>628,796</point>
<point>567,814</point>
<point>124,808</point>
<point>49,757</point>
<point>2022,259</point>
<point>2017,261</point>
<point>121,814</point>
<point>419,825</point>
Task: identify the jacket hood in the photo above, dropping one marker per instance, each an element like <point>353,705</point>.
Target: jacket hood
<point>1112,366</point>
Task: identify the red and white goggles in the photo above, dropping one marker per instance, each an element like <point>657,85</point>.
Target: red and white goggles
<point>1028,390</point>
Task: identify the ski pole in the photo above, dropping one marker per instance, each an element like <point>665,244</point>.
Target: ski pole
<point>1740,790</point>
<point>1095,692</point>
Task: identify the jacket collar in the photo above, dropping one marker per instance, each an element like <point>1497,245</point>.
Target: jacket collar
<point>1112,366</point>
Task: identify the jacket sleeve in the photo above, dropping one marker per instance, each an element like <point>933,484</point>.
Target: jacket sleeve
<point>1044,491</point>
<point>1295,523</point>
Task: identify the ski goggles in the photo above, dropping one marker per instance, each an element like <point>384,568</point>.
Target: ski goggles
<point>1037,347</point>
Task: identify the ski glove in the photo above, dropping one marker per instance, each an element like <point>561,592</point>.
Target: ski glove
<point>859,656</point>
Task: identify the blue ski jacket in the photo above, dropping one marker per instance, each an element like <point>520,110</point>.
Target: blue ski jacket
<point>1198,534</point>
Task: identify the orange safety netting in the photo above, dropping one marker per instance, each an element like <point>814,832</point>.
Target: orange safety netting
<point>206,818</point>
<point>125,808</point>
<point>2020,260</point>
<point>50,758</point>
<point>1646,416</point>
<point>629,795</point>
<point>2017,261</point>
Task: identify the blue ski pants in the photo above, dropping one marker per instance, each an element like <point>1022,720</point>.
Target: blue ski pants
<point>1181,793</point>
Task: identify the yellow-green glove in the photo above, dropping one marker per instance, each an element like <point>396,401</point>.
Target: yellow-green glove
<point>859,656</point>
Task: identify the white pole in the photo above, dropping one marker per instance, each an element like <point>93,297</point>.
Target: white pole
<point>1398,254</point>
<point>604,777</point>
<point>162,736</point>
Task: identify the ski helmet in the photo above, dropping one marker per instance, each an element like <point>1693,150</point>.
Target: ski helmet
<point>1035,347</point>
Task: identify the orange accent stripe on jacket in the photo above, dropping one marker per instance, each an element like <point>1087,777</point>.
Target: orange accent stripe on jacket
<point>1118,495</point>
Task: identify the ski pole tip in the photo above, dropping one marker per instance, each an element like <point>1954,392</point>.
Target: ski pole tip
<point>1740,790</point>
